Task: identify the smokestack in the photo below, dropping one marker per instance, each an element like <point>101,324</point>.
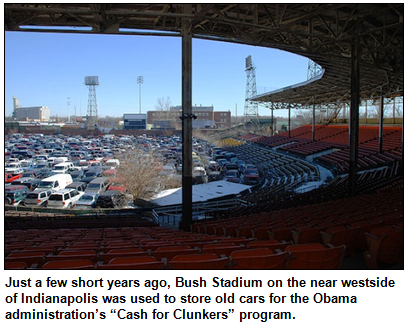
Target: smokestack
<point>16,103</point>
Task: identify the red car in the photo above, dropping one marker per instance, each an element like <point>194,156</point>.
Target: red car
<point>251,176</point>
<point>8,177</point>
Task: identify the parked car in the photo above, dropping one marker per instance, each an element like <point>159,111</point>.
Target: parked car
<point>111,199</point>
<point>77,175</point>
<point>91,174</point>
<point>78,185</point>
<point>251,176</point>
<point>65,198</point>
<point>31,184</point>
<point>232,176</point>
<point>14,195</point>
<point>98,185</point>
<point>56,182</point>
<point>8,177</point>
<point>37,198</point>
<point>87,200</point>
<point>215,176</point>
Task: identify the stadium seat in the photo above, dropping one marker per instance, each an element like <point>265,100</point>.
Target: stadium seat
<point>69,264</point>
<point>198,261</point>
<point>385,246</point>
<point>305,235</point>
<point>236,240</point>
<point>221,248</point>
<point>15,265</point>
<point>170,252</point>
<point>261,258</point>
<point>144,262</point>
<point>126,252</point>
<point>73,254</point>
<point>314,256</point>
<point>341,236</point>
<point>270,244</point>
<point>282,234</point>
<point>29,258</point>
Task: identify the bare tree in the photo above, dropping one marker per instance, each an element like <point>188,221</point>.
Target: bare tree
<point>139,173</point>
<point>166,118</point>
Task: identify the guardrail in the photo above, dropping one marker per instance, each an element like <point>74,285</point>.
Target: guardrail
<point>151,213</point>
<point>173,213</point>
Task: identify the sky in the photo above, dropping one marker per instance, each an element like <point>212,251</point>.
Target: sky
<point>48,68</point>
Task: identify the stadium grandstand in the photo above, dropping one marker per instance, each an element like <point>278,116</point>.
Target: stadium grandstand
<point>351,217</point>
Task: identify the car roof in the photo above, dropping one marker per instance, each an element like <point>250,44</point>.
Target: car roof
<point>37,191</point>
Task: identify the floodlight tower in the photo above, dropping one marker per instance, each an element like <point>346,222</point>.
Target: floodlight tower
<point>92,115</point>
<point>314,69</point>
<point>140,81</point>
<point>251,111</point>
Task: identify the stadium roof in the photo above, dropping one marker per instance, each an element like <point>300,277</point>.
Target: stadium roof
<point>322,32</point>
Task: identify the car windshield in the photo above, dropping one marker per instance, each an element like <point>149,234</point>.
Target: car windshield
<point>86,198</point>
<point>91,174</point>
<point>93,186</point>
<point>46,184</point>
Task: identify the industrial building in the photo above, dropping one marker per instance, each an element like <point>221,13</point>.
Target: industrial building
<point>32,113</point>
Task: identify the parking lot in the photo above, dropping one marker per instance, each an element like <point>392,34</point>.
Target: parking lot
<point>109,171</point>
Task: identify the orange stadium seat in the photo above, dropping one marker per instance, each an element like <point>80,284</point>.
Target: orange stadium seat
<point>221,248</point>
<point>198,261</point>
<point>270,244</point>
<point>144,262</point>
<point>314,256</point>
<point>171,251</point>
<point>261,258</point>
<point>385,246</point>
<point>15,265</point>
<point>126,252</point>
<point>28,258</point>
<point>69,264</point>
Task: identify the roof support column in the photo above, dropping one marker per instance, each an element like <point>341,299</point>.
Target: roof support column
<point>272,120</point>
<point>313,122</point>
<point>289,121</point>
<point>186,118</point>
<point>381,111</point>
<point>354,117</point>
<point>366,112</point>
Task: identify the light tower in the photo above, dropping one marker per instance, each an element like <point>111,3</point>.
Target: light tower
<point>140,81</point>
<point>314,69</point>
<point>69,113</point>
<point>251,111</point>
<point>92,115</point>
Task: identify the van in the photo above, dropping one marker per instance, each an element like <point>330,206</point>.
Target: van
<point>98,185</point>
<point>55,182</point>
<point>64,167</point>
